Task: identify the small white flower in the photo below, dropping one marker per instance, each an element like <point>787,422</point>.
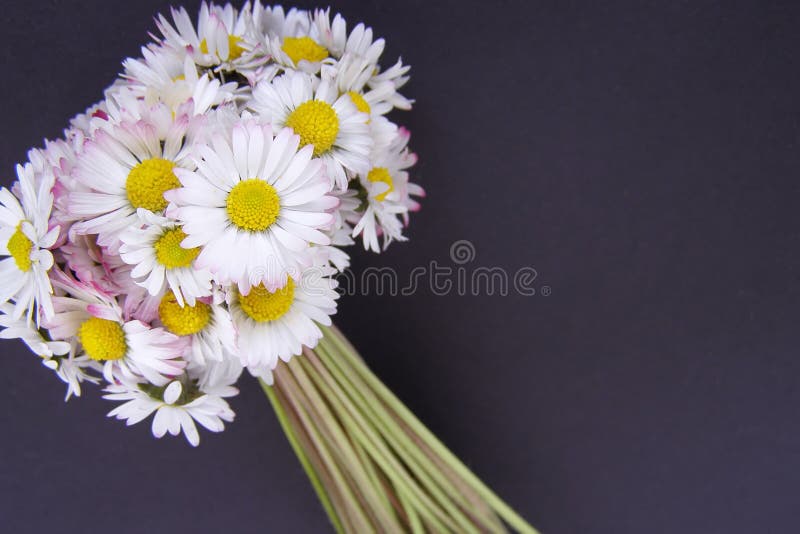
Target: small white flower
<point>25,237</point>
<point>275,325</point>
<point>304,41</point>
<point>389,195</point>
<point>177,407</point>
<point>221,40</point>
<point>254,204</point>
<point>164,75</point>
<point>126,349</point>
<point>156,253</point>
<point>331,123</point>
<point>128,166</point>
<point>291,40</point>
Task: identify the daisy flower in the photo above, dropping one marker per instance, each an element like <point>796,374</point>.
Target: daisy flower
<point>291,40</point>
<point>322,118</point>
<point>389,195</point>
<point>304,41</point>
<point>206,324</point>
<point>254,204</point>
<point>274,20</point>
<point>275,325</point>
<point>159,260</point>
<point>25,237</point>
<point>179,404</point>
<point>126,349</point>
<point>125,167</point>
<point>221,40</point>
<point>163,75</point>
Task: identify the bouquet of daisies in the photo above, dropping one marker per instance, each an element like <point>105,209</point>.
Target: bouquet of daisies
<point>190,226</point>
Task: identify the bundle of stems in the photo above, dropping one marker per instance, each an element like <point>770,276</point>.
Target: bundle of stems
<point>373,464</point>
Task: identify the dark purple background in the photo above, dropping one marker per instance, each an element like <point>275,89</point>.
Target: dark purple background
<point>642,156</point>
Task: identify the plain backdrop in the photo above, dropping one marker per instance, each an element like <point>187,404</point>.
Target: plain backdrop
<point>641,156</point>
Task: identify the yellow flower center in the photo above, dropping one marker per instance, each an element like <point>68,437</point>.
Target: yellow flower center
<point>361,104</point>
<point>263,306</point>
<point>183,320</point>
<point>316,123</point>
<point>19,247</point>
<point>102,339</point>
<point>169,251</point>
<point>381,174</point>
<point>148,181</point>
<point>303,48</point>
<point>235,50</point>
<point>253,205</point>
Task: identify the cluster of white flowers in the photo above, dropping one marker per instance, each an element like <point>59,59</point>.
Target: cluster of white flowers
<point>189,224</point>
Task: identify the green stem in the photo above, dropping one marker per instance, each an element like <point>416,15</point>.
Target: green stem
<point>365,435</point>
<point>304,461</point>
<point>343,446</point>
<point>505,511</point>
<point>351,504</point>
<point>374,466</point>
<point>426,473</point>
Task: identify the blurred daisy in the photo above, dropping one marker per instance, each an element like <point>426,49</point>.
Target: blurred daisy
<point>275,325</point>
<point>221,40</point>
<point>254,204</point>
<point>269,19</point>
<point>25,237</point>
<point>322,118</point>
<point>127,350</point>
<point>158,258</point>
<point>163,75</point>
<point>128,166</point>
